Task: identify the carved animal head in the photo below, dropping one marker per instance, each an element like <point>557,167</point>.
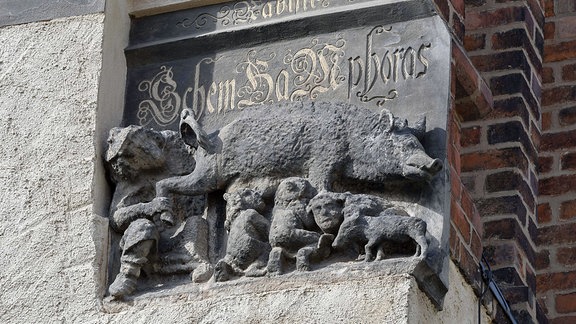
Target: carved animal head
<point>327,210</point>
<point>417,165</point>
<point>352,229</point>
<point>192,133</point>
<point>240,200</point>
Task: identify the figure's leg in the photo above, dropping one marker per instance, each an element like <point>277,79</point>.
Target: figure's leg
<point>301,237</point>
<point>303,258</point>
<point>324,247</point>
<point>275,261</point>
<point>223,271</point>
<point>139,239</point>
<point>131,264</point>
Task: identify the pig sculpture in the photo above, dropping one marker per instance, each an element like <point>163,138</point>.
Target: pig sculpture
<point>320,141</point>
<point>375,231</point>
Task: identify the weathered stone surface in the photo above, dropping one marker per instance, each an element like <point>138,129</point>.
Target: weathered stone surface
<point>18,11</point>
<point>48,90</point>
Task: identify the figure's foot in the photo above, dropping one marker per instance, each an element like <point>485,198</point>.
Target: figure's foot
<point>303,258</point>
<point>202,273</point>
<point>222,271</point>
<point>274,266</point>
<point>123,285</point>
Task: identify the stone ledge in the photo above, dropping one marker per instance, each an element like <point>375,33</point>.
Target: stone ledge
<point>141,8</point>
<point>322,280</point>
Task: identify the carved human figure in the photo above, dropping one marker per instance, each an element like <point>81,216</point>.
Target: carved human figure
<point>293,232</point>
<point>326,207</point>
<point>136,159</point>
<point>247,248</point>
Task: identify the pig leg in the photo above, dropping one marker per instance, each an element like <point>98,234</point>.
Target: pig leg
<point>368,249</point>
<point>380,254</point>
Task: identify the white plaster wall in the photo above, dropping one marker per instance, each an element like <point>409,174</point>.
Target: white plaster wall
<point>49,74</point>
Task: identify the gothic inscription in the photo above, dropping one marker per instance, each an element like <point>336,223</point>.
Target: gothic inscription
<point>319,68</point>
<point>246,12</point>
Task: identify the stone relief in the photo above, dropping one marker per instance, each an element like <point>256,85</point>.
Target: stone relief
<point>301,186</point>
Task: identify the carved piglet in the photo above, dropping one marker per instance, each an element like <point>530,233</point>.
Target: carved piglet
<point>374,231</point>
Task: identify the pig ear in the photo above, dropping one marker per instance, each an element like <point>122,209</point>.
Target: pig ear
<point>387,118</point>
<point>419,128</point>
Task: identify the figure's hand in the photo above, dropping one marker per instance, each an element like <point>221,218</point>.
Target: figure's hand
<point>162,204</point>
<point>164,207</point>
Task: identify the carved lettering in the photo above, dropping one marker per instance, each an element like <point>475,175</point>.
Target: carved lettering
<point>245,12</point>
<point>374,77</point>
<point>264,77</point>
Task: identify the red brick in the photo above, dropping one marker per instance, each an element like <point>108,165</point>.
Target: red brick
<point>557,185</point>
<point>568,209</point>
<point>470,136</point>
<point>501,255</point>
<point>569,71</point>
<point>474,42</point>
<point>455,184</point>
<point>556,141</point>
<point>546,121</point>
<point>549,8</point>
<point>498,17</point>
<point>547,75</point>
<point>560,51</point>
<point>559,94</point>
<point>469,266</point>
<point>458,6</point>
<point>545,164</point>
<point>444,8</point>
<point>549,29</point>
<point>494,159</point>
<point>458,26</point>
<point>471,211</point>
<point>544,213</point>
<point>542,260</point>
<point>567,116</point>
<point>504,229</point>
<point>566,256</point>
<point>556,234</point>
<point>556,281</point>
<point>476,245</point>
<point>566,303</point>
<point>459,219</point>
<point>510,38</point>
<point>568,161</point>
<point>563,320</point>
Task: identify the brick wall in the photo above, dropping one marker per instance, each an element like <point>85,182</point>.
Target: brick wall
<point>494,140</point>
<point>556,260</point>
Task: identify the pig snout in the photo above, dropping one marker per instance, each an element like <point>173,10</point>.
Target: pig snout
<point>421,167</point>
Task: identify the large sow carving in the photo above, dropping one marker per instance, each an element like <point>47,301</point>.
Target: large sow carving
<point>315,140</point>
